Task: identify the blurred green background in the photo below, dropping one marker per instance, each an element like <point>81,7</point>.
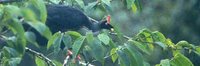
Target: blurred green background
<point>176,19</point>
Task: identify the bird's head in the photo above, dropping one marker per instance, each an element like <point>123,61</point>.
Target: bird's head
<point>106,24</point>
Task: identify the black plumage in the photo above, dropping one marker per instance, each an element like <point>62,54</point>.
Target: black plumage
<point>63,18</point>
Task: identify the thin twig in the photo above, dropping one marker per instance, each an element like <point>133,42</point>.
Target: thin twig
<point>41,56</point>
<point>69,58</point>
<point>66,60</point>
<point>93,20</point>
<point>85,64</point>
<point>123,35</point>
<point>105,57</point>
<point>49,1</point>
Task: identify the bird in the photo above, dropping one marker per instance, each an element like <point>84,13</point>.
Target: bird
<point>64,18</point>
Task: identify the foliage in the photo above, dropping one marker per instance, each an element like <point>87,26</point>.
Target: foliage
<point>138,50</point>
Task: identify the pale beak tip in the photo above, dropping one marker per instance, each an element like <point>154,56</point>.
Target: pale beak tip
<point>112,29</point>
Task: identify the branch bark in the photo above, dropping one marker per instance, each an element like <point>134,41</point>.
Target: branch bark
<point>41,56</point>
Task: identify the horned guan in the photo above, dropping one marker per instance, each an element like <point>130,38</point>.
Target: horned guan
<point>63,18</point>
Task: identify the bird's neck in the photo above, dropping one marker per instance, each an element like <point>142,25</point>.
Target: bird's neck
<point>94,26</point>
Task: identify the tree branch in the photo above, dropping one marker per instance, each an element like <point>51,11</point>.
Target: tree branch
<point>41,56</point>
<point>126,37</point>
<point>77,59</point>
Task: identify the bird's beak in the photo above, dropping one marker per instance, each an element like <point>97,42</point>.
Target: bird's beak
<point>112,29</point>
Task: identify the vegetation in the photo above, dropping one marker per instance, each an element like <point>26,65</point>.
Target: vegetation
<point>123,47</point>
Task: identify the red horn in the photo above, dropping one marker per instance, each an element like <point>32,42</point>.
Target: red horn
<point>108,19</point>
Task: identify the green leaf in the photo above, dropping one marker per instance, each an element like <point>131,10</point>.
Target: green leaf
<point>182,44</point>
<point>140,46</point>
<point>9,13</point>
<point>39,62</point>
<point>74,34</point>
<point>130,3</point>
<point>28,15</point>
<point>145,36</point>
<point>113,54</point>
<point>10,17</point>
<point>91,5</point>
<point>11,10</point>
<point>30,37</point>
<point>87,52</point>
<point>161,45</point>
<point>137,56</point>
<point>134,8</point>
<point>10,57</point>
<point>158,37</point>
<point>1,13</point>
<point>107,2</point>
<point>41,28</point>
<point>104,38</point>
<point>96,46</point>
<point>197,50</point>
<point>76,47</point>
<point>89,36</point>
<point>57,63</point>
<point>10,52</point>
<point>169,43</point>
<point>123,58</point>
<point>39,8</point>
<point>120,35</point>
<point>67,40</point>
<point>18,29</point>
<point>138,4</point>
<point>165,62</point>
<point>14,61</point>
<point>55,40</point>
<point>81,3</point>
<point>180,60</point>
<point>132,60</point>
<point>112,44</point>
<point>146,64</point>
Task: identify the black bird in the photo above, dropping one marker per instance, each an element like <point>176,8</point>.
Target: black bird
<point>63,18</point>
